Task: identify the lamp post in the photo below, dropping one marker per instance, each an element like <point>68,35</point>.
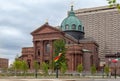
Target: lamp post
<point>109,62</point>
<point>57,64</point>
<point>56,70</point>
<point>115,64</point>
<point>35,69</point>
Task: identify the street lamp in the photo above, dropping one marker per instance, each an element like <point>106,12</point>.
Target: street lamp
<point>57,64</point>
<point>56,69</point>
<point>109,62</point>
<point>116,64</point>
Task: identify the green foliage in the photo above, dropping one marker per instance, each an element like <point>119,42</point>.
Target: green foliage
<point>113,3</point>
<point>24,67</point>
<point>63,68</point>
<point>51,65</point>
<point>44,68</point>
<point>59,47</point>
<point>80,68</point>
<point>93,69</point>
<point>36,65</point>
<point>106,70</point>
<point>17,64</point>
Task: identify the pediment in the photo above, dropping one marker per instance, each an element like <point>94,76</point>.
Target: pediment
<point>45,29</point>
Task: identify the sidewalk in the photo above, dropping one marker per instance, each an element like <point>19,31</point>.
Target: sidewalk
<point>59,79</point>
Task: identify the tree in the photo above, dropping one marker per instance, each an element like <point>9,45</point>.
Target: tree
<point>113,3</point>
<point>59,47</point>
<point>63,67</point>
<point>36,67</point>
<point>44,67</point>
<point>93,69</point>
<point>80,68</point>
<point>24,67</point>
<point>17,66</point>
<point>106,70</point>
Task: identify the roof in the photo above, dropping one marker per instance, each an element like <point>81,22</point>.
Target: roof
<point>46,25</point>
<point>95,9</point>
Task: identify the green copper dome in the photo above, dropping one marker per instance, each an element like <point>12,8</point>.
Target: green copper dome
<point>72,22</point>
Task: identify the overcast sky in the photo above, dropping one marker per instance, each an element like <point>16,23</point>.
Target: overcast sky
<point>18,18</point>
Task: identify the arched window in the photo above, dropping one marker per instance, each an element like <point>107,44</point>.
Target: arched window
<point>47,48</point>
<point>39,52</point>
<point>79,27</point>
<point>38,63</point>
<point>61,26</point>
<point>29,63</point>
<point>68,42</point>
<point>73,26</point>
<point>66,26</point>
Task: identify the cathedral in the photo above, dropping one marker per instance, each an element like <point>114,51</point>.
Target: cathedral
<point>80,50</point>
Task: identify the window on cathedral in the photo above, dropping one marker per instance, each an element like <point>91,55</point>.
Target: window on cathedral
<point>28,62</point>
<point>66,26</point>
<point>61,26</point>
<point>38,52</point>
<point>47,49</point>
<point>68,42</point>
<point>73,26</point>
<point>47,61</point>
<point>83,28</point>
<point>79,27</point>
<point>38,63</point>
<point>96,49</point>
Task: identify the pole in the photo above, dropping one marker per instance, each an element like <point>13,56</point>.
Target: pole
<point>103,70</point>
<point>36,69</point>
<point>115,70</point>
<point>109,60</point>
<point>56,70</point>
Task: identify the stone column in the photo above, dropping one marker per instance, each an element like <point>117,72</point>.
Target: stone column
<point>34,47</point>
<point>34,56</point>
<point>86,61</point>
<point>41,50</point>
<point>81,59</point>
<point>51,49</point>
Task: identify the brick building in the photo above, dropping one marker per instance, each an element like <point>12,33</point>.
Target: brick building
<point>103,24</point>
<point>3,63</point>
<point>80,50</point>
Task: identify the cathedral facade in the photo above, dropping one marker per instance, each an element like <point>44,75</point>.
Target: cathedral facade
<point>80,50</point>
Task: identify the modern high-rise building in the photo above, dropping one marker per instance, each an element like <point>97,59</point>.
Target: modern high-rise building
<point>102,24</point>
